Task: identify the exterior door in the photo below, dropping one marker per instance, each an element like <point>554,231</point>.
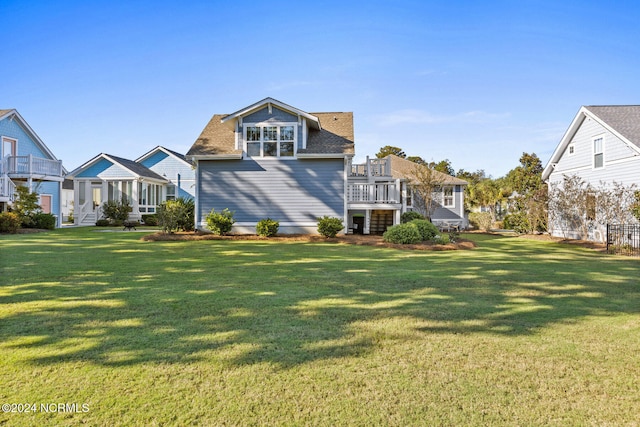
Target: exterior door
<point>96,194</point>
<point>8,149</point>
<point>45,203</point>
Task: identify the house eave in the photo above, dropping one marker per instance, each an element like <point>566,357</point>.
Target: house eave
<point>582,114</point>
<point>270,101</point>
<point>323,155</point>
<point>198,157</point>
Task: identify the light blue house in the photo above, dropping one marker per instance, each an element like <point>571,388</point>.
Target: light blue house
<point>27,161</point>
<point>157,176</point>
<point>173,166</point>
<point>272,160</point>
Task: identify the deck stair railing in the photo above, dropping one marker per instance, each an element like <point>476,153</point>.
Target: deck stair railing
<point>7,188</point>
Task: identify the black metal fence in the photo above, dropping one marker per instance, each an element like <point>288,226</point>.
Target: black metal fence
<point>623,239</point>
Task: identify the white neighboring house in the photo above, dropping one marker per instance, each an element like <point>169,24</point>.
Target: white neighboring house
<point>601,146</point>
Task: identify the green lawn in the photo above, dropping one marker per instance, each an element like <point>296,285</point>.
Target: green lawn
<point>515,332</point>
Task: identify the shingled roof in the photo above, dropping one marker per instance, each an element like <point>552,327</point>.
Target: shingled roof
<point>622,120</point>
<point>335,137</point>
<point>134,167</point>
<point>625,119</point>
<point>403,168</point>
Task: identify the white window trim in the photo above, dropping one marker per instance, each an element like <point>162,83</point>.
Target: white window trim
<point>9,139</point>
<point>279,125</point>
<point>571,150</point>
<point>453,196</point>
<point>593,152</point>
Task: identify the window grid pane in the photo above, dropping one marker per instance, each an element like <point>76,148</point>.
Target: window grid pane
<point>271,133</point>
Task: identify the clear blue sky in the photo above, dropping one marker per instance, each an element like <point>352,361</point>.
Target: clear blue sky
<point>475,82</point>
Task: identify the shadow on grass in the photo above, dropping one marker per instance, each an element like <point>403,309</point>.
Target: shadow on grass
<point>113,300</point>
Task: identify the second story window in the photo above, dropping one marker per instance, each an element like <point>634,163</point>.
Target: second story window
<point>598,153</point>
<point>270,141</point>
<point>447,194</point>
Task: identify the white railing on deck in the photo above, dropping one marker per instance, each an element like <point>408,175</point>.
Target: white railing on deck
<point>372,167</point>
<point>373,193</point>
<point>7,188</point>
<point>30,165</point>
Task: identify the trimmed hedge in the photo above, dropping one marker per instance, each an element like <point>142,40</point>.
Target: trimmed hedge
<point>267,227</point>
<point>426,229</point>
<point>329,227</point>
<point>220,222</point>
<point>404,234</point>
<point>410,216</point>
<point>151,220</point>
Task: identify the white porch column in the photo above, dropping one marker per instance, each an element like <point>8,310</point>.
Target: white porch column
<point>135,207</point>
<point>76,202</point>
<point>367,221</point>
<point>59,204</point>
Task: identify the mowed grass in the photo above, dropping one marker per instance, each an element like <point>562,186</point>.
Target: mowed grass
<point>515,332</point>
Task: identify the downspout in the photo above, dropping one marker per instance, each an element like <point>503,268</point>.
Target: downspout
<point>345,176</point>
<point>197,201</point>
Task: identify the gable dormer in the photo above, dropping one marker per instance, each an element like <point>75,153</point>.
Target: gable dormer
<point>271,129</point>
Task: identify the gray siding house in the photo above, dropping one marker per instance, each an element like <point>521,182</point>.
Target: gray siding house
<point>272,160</point>
<point>601,146</point>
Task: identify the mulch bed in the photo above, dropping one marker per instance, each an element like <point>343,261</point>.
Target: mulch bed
<point>352,239</point>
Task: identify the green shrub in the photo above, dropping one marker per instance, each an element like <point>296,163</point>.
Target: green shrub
<point>517,222</point>
<point>178,214</point>
<point>441,239</point>
<point>116,210</point>
<point>220,222</point>
<point>480,220</point>
<point>25,205</point>
<point>169,214</point>
<point>187,221</point>
<point>403,234</point>
<point>9,222</point>
<point>103,223</point>
<point>267,227</point>
<point>150,219</point>
<point>45,221</point>
<point>410,216</point>
<point>426,229</point>
<point>329,227</point>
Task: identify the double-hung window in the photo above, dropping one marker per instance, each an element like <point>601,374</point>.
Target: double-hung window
<point>447,197</point>
<point>598,152</point>
<point>270,140</point>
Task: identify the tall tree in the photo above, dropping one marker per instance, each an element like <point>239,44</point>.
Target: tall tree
<point>526,178</point>
<point>417,159</point>
<point>390,149</point>
<point>426,184</point>
<point>443,166</point>
<point>529,198</point>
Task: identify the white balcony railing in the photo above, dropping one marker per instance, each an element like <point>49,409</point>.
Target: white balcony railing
<point>31,165</point>
<point>372,167</point>
<point>7,188</point>
<point>373,193</point>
